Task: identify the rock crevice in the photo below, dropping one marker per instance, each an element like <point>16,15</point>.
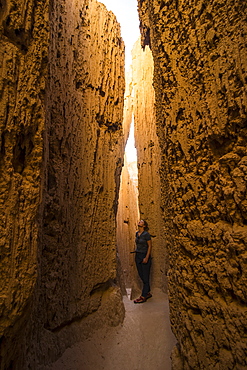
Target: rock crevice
<point>62,92</point>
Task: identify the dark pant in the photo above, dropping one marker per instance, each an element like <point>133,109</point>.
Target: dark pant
<point>143,271</point>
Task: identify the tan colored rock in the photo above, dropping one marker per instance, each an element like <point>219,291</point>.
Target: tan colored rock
<point>200,89</point>
<point>62,152</point>
<point>84,158</point>
<point>128,104</point>
<point>24,35</point>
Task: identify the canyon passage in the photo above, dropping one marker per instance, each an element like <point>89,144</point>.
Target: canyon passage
<point>70,203</point>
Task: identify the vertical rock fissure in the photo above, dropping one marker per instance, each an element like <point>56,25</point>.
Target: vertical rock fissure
<point>62,95</point>
<point>128,214</point>
<point>128,210</point>
<point>149,159</point>
<point>140,195</point>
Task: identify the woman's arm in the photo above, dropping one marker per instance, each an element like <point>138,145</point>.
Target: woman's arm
<point>145,260</point>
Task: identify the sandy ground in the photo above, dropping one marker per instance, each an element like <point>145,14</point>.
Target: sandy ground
<point>143,342</point>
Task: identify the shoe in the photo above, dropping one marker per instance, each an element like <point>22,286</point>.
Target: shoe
<point>149,295</point>
<point>141,299</point>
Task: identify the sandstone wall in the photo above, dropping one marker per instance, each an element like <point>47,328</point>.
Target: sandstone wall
<point>148,153</point>
<point>23,71</point>
<point>200,59</point>
<point>62,140</point>
<point>84,158</point>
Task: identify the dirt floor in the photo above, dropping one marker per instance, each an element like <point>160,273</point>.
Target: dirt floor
<point>143,342</point>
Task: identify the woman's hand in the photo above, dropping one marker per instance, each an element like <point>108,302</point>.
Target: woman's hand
<point>145,260</point>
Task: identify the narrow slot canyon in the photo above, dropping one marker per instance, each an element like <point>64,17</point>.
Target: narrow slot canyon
<point>71,196</point>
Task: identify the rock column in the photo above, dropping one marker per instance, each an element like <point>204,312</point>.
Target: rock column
<point>62,151</point>
<point>200,75</point>
<point>24,38</point>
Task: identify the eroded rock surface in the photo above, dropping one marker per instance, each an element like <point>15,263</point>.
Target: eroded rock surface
<point>200,68</point>
<point>83,160</point>
<point>62,86</point>
<point>24,34</point>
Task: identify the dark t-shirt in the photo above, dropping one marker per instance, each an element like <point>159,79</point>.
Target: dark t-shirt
<point>141,242</point>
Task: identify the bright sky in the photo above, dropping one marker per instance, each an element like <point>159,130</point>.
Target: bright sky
<point>127,16</point>
<point>130,149</point>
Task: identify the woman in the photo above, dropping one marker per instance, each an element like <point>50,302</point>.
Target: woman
<point>143,259</point>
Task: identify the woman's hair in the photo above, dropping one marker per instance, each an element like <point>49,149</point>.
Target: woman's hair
<point>146,228</point>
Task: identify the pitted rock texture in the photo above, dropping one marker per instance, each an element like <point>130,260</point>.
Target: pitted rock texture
<point>62,93</point>
<point>148,153</point>
<point>200,76</point>
<point>83,159</point>
<point>23,65</point>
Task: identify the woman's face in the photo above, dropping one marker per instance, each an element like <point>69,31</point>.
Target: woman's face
<point>141,223</point>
